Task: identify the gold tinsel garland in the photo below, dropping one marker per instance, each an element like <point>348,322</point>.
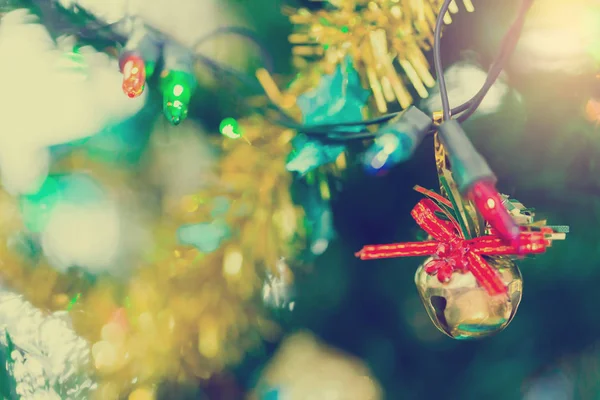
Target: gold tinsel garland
<point>204,303</point>
<point>183,315</point>
<point>382,37</point>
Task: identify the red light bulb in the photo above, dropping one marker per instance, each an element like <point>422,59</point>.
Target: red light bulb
<point>133,68</point>
<point>489,204</point>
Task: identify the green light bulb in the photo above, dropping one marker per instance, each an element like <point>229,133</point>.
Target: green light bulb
<point>177,90</point>
<point>229,127</point>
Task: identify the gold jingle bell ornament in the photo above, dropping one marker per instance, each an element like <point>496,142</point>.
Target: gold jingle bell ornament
<point>462,309</point>
<point>469,286</point>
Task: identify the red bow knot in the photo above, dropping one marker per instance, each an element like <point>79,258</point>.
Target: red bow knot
<point>447,259</point>
<point>452,252</point>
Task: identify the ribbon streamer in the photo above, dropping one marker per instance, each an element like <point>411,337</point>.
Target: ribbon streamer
<point>452,252</point>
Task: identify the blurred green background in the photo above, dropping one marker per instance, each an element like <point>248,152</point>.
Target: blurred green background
<point>544,154</point>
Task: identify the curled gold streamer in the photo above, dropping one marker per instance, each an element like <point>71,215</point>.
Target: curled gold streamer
<point>383,37</point>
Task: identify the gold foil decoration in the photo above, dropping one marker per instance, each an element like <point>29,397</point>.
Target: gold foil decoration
<point>462,309</point>
<point>385,38</point>
<point>287,100</point>
<point>466,208</point>
<point>441,160</point>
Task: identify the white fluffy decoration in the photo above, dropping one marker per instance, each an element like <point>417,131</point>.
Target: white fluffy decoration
<point>181,159</point>
<point>463,81</point>
<point>50,96</point>
<point>85,235</point>
<point>86,228</point>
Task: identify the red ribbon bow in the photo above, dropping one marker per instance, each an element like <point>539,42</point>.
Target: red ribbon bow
<point>452,252</point>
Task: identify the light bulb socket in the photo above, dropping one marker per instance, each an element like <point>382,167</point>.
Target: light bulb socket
<point>143,44</point>
<point>126,56</point>
<point>407,130</point>
<point>410,127</point>
<point>178,58</point>
<point>468,166</point>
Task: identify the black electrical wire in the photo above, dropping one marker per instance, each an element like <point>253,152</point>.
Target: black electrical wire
<point>266,59</point>
<point>509,43</point>
<point>285,119</point>
<point>342,137</point>
<point>248,82</point>
<point>507,48</point>
<point>437,59</point>
<point>334,132</point>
